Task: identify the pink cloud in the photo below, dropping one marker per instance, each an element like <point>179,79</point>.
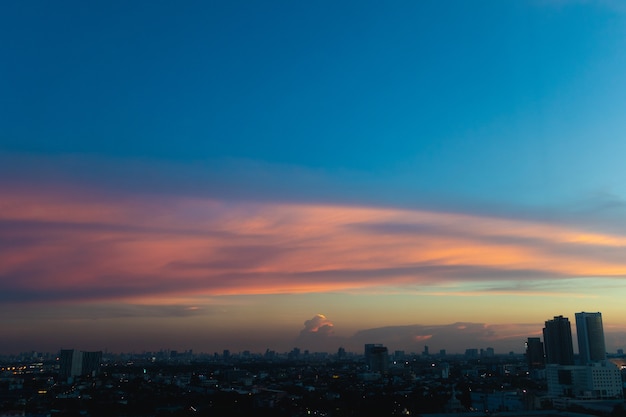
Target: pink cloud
<point>68,244</point>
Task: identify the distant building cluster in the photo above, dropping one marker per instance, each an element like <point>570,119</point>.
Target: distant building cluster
<point>592,376</point>
<point>588,376</point>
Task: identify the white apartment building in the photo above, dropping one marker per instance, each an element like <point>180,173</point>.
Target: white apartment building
<point>598,380</point>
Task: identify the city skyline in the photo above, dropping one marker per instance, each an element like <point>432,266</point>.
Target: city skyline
<point>557,334</point>
<point>434,340</point>
<point>269,175</point>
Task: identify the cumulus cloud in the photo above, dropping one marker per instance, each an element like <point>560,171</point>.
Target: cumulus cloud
<point>319,324</point>
<point>318,335</point>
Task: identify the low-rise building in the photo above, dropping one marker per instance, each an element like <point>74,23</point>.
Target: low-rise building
<point>592,381</point>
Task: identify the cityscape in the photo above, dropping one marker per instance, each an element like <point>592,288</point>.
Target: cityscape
<point>312,208</point>
<point>547,379</point>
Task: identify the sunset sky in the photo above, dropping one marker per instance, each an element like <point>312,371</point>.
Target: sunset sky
<point>215,175</point>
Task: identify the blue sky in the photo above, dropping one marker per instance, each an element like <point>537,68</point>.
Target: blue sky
<point>519,100</point>
<point>509,111</point>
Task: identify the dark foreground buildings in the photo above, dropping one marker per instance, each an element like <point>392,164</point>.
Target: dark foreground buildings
<point>593,377</point>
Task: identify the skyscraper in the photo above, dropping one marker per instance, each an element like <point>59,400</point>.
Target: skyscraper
<point>67,364</point>
<point>557,340</point>
<point>91,363</point>
<point>376,357</point>
<point>77,363</point>
<point>590,337</point>
<point>534,353</point>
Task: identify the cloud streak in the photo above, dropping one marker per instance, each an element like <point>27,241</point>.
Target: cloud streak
<point>74,245</point>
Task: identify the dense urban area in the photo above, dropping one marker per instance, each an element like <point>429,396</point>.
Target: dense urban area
<point>547,380</point>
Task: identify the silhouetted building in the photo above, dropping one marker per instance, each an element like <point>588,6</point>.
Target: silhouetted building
<point>341,353</point>
<point>294,354</point>
<point>367,351</point>
<point>557,340</point>
<point>534,353</point>
<point>91,363</point>
<point>66,359</point>
<point>471,353</point>
<point>487,353</point>
<point>77,363</point>
<point>590,335</point>
<point>377,358</point>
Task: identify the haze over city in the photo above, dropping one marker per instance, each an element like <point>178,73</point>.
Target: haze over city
<point>271,175</point>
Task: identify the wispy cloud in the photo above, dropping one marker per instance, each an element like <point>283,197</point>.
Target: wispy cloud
<point>106,311</point>
<point>73,244</point>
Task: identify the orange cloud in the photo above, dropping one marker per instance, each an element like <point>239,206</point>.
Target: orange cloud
<point>318,324</point>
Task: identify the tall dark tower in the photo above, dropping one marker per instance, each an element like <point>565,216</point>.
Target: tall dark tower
<point>65,364</point>
<point>78,363</point>
<point>557,340</point>
<point>590,337</point>
<point>534,353</point>
<point>376,357</point>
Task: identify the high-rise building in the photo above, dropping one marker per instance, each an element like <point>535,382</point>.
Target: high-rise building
<point>471,353</point>
<point>91,363</point>
<point>376,357</point>
<point>78,363</point>
<point>590,335</point>
<point>367,351</point>
<point>595,377</point>
<point>65,363</point>
<point>557,340</point>
<point>534,353</point>
<point>341,353</point>
<point>487,353</point>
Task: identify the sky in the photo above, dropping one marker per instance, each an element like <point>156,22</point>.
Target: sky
<point>238,175</point>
